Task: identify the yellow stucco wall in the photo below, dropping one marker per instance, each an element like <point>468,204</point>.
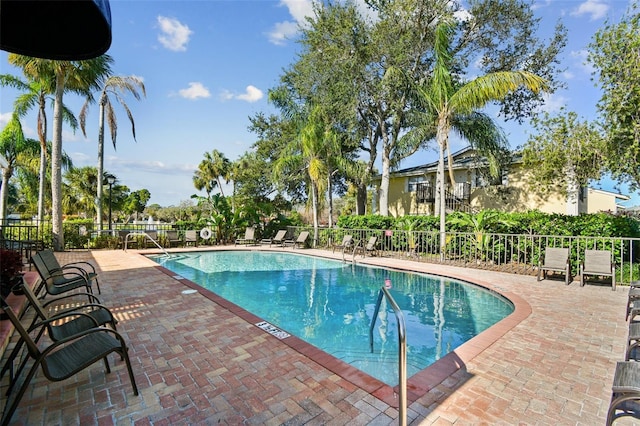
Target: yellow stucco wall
<point>516,196</point>
<point>599,201</point>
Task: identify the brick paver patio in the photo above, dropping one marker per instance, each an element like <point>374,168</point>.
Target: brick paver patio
<point>197,362</point>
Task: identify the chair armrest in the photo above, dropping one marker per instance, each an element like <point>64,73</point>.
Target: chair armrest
<point>48,321</point>
<point>68,296</point>
<point>88,331</point>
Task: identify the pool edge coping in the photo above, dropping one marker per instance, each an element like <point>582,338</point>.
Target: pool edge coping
<point>420,383</point>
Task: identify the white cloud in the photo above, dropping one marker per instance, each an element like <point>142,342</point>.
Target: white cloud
<point>597,9</point>
<point>581,58</point>
<point>553,103</point>
<point>251,94</point>
<point>196,90</point>
<point>282,31</point>
<point>4,118</point>
<point>174,34</point>
<point>299,10</point>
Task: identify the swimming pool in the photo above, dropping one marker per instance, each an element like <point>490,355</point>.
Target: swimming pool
<point>330,304</point>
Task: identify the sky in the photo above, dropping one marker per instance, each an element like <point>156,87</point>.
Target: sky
<point>207,66</point>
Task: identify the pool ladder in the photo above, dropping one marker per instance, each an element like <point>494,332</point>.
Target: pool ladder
<point>402,351</point>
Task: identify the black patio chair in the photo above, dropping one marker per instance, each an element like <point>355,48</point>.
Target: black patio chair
<point>66,357</point>
<point>59,281</point>
<point>79,317</point>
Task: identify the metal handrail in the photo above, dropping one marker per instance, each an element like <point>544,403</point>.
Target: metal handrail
<point>402,351</point>
<point>126,241</point>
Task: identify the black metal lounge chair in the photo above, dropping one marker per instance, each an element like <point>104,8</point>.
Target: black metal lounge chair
<point>555,260</point>
<point>598,263</point>
<point>66,357</point>
<point>76,319</point>
<point>625,398</point>
<point>60,281</point>
<point>85,268</point>
<point>347,242</point>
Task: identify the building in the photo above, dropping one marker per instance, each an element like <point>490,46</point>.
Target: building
<point>412,190</point>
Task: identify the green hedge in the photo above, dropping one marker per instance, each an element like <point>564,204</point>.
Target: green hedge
<point>532,222</point>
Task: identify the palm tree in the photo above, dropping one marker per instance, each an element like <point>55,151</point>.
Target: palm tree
<point>80,188</point>
<point>36,92</point>
<point>81,77</point>
<point>115,85</point>
<point>448,103</point>
<point>12,145</point>
<point>311,151</point>
<point>211,171</point>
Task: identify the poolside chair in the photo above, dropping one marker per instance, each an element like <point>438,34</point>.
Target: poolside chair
<point>555,260</point>
<point>633,342</point>
<point>191,237</point>
<point>347,242</point>
<point>249,236</point>
<point>59,281</point>
<point>372,246</point>
<point>125,240</point>
<point>85,268</point>
<point>300,242</point>
<point>173,239</point>
<point>369,247</point>
<point>69,318</point>
<point>278,239</point>
<point>150,239</point>
<point>66,357</point>
<point>598,263</point>
<point>625,392</point>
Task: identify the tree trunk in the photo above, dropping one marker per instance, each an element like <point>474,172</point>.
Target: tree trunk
<point>56,167</point>
<point>384,186</point>
<point>330,190</point>
<point>314,202</point>
<point>442,137</point>
<point>4,192</point>
<point>42,135</point>
<point>361,199</point>
<point>100,186</point>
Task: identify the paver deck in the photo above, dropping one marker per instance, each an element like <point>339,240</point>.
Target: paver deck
<point>200,362</point>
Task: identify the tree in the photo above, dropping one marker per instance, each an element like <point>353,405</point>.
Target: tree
<point>136,202</point>
<point>211,171</point>
<point>564,153</point>
<point>114,85</point>
<point>37,90</point>
<point>81,77</point>
<point>12,145</point>
<point>615,53</point>
<point>447,101</point>
<point>79,190</point>
<point>309,154</point>
<point>371,105</point>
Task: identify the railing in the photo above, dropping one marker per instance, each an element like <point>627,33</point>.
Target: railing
<point>513,253</point>
<point>402,351</point>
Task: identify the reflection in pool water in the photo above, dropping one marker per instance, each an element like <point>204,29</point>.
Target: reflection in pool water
<point>330,304</point>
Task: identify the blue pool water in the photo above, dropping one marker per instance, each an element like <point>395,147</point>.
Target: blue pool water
<point>330,305</point>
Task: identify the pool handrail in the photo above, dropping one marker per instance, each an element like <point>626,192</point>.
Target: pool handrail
<point>402,351</point>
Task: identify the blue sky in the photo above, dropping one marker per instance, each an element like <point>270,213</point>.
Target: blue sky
<point>207,66</point>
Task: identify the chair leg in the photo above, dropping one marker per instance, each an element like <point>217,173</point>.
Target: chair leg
<point>125,355</point>
<point>10,409</point>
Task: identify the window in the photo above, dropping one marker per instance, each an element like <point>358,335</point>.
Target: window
<point>413,181</point>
